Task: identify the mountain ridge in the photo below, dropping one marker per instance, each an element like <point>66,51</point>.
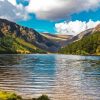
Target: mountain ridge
<point>35,42</point>
<point>27,34</point>
<point>88,45</point>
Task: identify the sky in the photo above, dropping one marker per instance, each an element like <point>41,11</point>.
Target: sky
<point>68,17</point>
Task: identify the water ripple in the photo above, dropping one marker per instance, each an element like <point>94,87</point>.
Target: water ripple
<point>61,77</point>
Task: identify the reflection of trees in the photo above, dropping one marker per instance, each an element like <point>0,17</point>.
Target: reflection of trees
<point>6,60</point>
<point>8,71</point>
<point>27,73</point>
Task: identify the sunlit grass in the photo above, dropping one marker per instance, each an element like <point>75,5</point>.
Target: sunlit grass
<point>12,96</point>
<point>9,96</point>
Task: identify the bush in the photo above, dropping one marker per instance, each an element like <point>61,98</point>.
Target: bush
<point>12,96</point>
<point>9,96</point>
<point>43,97</point>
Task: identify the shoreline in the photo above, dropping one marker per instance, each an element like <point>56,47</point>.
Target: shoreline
<point>47,54</point>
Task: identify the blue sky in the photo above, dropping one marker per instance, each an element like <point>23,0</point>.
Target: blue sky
<point>39,25</point>
<point>49,26</point>
<point>53,16</point>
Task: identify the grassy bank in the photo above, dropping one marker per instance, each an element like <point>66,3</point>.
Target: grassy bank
<point>12,96</point>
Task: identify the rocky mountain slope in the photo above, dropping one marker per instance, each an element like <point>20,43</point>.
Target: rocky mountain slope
<point>27,34</point>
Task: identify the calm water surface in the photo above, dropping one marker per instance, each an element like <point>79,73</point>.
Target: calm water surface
<point>61,77</point>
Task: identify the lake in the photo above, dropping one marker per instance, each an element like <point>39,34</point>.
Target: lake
<point>61,77</point>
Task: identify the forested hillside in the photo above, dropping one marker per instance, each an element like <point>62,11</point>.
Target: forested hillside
<point>86,46</point>
<point>11,44</point>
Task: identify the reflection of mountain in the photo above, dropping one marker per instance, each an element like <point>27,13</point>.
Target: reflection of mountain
<point>10,72</point>
<point>29,75</point>
<point>58,76</point>
<point>74,79</point>
<point>9,60</point>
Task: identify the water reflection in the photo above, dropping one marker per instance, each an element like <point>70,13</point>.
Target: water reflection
<point>62,77</point>
<point>73,81</point>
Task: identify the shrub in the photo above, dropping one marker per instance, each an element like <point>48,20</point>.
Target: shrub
<point>43,97</point>
<point>9,96</point>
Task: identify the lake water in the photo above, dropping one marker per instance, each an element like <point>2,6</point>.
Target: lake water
<point>61,77</point>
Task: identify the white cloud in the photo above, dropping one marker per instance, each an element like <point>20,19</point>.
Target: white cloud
<point>45,9</point>
<point>58,9</point>
<point>11,11</point>
<point>74,27</point>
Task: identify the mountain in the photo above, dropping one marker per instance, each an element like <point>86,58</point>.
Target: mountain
<point>85,43</point>
<point>79,36</point>
<point>18,39</point>
<point>57,38</point>
<point>24,38</point>
<point>83,34</point>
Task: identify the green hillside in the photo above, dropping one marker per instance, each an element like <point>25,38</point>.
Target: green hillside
<point>12,44</point>
<point>86,46</point>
